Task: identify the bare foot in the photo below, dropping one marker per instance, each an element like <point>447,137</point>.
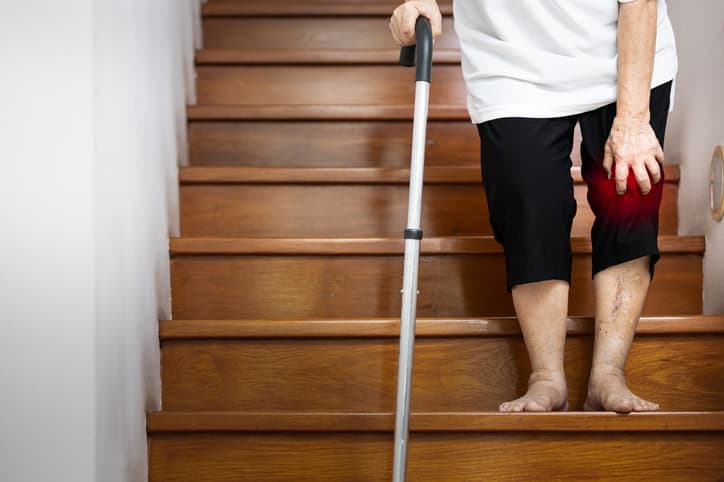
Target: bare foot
<point>547,391</point>
<point>607,391</point>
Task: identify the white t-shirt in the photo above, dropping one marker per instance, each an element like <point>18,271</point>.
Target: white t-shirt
<point>546,58</point>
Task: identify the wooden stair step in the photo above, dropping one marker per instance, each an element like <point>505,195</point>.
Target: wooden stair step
<point>177,329</point>
<point>291,56</point>
<point>300,421</point>
<point>336,143</point>
<point>310,32</point>
<point>368,112</point>
<point>450,448</point>
<point>298,8</point>
<point>350,175</point>
<point>271,278</point>
<point>376,246</point>
<point>320,84</point>
<point>353,202</point>
<point>332,143</point>
<point>460,365</point>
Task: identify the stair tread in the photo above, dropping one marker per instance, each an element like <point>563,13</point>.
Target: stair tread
<point>208,112</point>
<point>314,56</point>
<point>361,175</point>
<point>425,327</point>
<point>443,421</point>
<point>307,7</point>
<point>361,246</point>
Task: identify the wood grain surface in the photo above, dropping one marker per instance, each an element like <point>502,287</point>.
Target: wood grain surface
<point>329,143</point>
<point>343,286</point>
<point>349,175</point>
<point>374,246</point>
<point>452,374</point>
<point>302,33</point>
<point>298,8</point>
<point>298,56</point>
<point>359,210</point>
<point>316,421</point>
<point>179,329</point>
<point>443,457</point>
<point>325,85</point>
<point>324,112</point>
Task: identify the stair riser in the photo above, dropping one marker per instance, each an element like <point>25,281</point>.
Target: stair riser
<point>347,286</point>
<point>460,374</point>
<point>309,33</point>
<point>449,457</point>
<point>328,85</point>
<point>329,144</point>
<point>355,210</point>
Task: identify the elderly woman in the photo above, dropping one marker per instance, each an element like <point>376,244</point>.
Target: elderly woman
<point>533,69</point>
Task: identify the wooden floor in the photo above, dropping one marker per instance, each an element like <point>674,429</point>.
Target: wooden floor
<point>280,362</point>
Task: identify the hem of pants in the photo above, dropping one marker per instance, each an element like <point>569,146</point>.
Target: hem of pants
<point>557,275</point>
<point>629,255</point>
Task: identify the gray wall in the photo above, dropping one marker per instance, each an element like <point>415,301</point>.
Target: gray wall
<point>92,129</point>
<point>142,51</point>
<point>47,292</point>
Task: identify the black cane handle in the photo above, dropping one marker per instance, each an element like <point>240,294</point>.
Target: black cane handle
<point>419,54</point>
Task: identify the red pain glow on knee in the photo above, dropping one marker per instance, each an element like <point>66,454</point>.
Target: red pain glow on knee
<point>633,207</point>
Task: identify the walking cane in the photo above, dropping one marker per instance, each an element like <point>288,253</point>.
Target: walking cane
<point>422,58</point>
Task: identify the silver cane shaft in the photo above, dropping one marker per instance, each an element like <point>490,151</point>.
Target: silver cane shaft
<point>409,282</point>
<point>419,55</point>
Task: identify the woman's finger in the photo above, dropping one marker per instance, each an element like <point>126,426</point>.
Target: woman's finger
<point>607,160</point>
<point>642,177</point>
<point>654,168</point>
<point>621,177</point>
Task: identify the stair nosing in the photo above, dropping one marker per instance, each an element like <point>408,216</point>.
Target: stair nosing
<point>386,246</point>
<point>318,56</point>
<point>303,9</point>
<point>312,112</point>
<point>350,175</point>
<point>425,327</point>
<point>434,422</point>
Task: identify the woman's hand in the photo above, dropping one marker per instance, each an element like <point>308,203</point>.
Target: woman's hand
<point>633,144</point>
<point>402,22</point>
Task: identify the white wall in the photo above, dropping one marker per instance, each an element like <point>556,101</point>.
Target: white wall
<point>92,128</point>
<point>696,126</point>
<point>143,49</point>
<point>47,381</point>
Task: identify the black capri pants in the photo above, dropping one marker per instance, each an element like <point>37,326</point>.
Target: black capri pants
<point>526,168</point>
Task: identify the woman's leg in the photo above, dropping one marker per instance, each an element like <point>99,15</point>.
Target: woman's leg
<point>620,296</point>
<point>624,238</point>
<point>542,310</point>
<point>526,172</point>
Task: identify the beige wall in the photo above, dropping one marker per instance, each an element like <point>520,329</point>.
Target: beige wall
<point>696,126</point>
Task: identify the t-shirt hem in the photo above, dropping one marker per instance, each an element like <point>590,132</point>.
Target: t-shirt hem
<point>478,116</point>
<point>531,111</point>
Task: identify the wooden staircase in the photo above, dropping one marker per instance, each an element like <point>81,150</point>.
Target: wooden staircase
<point>281,360</point>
